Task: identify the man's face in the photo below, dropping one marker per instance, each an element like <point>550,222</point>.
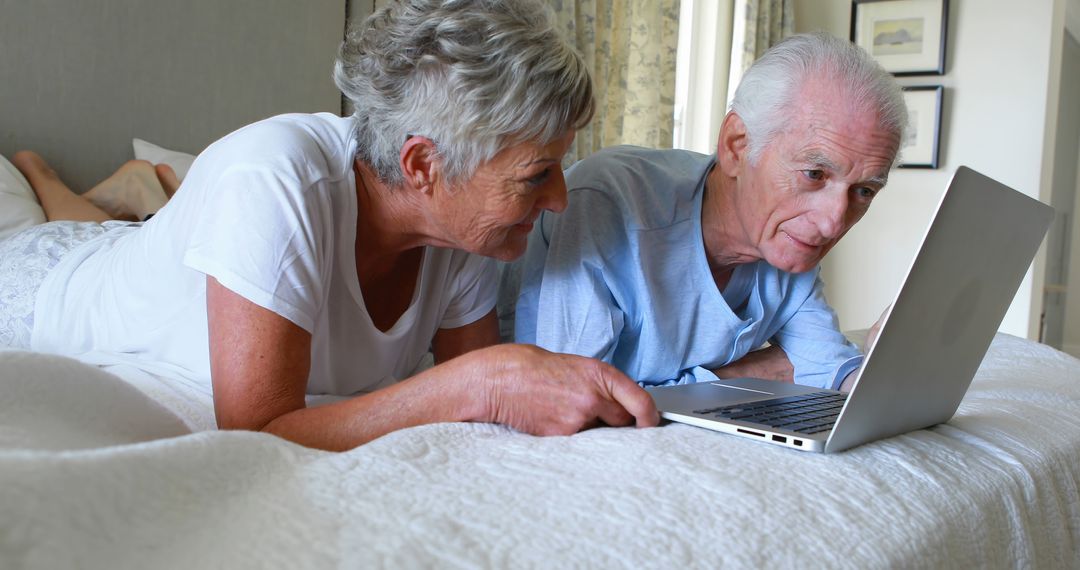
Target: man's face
<point>814,181</point>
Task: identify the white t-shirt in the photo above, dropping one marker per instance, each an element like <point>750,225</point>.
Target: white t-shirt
<point>270,212</point>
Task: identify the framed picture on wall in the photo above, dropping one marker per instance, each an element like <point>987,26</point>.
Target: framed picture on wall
<point>923,137</point>
<point>906,36</point>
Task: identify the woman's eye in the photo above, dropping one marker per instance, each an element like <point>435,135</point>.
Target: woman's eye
<point>815,175</point>
<point>538,179</point>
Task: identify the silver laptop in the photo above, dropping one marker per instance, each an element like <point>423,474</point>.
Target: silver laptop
<point>934,337</point>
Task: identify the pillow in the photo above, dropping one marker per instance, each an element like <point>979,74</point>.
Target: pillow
<point>19,208</point>
<point>179,161</point>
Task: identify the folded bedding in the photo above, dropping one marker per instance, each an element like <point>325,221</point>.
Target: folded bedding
<point>96,471</point>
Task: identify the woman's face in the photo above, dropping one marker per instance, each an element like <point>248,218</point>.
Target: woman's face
<point>492,212</point>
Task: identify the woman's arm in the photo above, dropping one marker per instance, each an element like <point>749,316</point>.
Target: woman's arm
<point>259,362</point>
<point>451,343</point>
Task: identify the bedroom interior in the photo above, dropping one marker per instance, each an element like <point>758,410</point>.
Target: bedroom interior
<point>120,467</point>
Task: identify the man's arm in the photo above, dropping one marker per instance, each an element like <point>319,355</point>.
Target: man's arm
<point>565,303</point>
<point>819,353</point>
<point>770,363</point>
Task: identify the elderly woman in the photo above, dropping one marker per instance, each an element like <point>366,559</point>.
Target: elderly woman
<point>321,255</point>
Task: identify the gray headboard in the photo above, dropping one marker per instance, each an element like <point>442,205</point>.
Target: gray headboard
<point>79,80</point>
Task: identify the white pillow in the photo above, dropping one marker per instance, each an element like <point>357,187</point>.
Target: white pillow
<point>179,161</point>
<point>19,208</point>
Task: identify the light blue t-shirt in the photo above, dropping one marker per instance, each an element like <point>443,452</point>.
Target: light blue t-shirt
<point>622,276</point>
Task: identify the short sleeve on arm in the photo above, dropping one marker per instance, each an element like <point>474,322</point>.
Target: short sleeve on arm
<point>268,239</point>
<point>475,288</point>
<point>820,354</point>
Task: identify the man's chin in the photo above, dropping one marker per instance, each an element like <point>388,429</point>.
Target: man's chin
<point>794,265</point>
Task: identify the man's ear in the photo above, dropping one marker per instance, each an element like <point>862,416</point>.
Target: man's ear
<point>732,145</point>
<point>419,163</point>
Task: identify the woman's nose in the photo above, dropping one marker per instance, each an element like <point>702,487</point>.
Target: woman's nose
<point>554,197</point>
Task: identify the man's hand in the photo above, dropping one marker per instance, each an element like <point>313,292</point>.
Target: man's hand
<point>849,381</point>
<point>544,393</point>
<point>871,338</point>
<point>872,334</point>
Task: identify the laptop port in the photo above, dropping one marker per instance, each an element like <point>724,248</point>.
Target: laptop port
<point>759,434</point>
<point>797,442</point>
<point>779,438</point>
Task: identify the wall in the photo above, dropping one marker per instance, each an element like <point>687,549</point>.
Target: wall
<point>1071,92</point>
<point>79,80</point>
<point>998,72</point>
<point>1058,288</point>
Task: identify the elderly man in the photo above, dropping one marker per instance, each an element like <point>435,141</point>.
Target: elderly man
<point>675,266</point>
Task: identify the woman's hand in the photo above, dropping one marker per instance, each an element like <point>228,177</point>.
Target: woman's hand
<point>544,393</point>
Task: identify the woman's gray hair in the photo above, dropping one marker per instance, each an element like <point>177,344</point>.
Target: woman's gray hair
<point>474,76</point>
<point>766,96</point>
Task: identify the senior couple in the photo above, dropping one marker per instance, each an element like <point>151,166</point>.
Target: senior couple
<point>312,254</point>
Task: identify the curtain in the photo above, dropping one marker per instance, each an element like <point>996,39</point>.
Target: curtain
<point>767,22</point>
<point>630,48</point>
<point>759,25</point>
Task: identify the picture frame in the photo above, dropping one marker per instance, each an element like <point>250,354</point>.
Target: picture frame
<point>922,141</point>
<point>907,37</point>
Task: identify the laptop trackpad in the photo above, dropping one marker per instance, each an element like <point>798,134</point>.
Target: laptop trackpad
<point>723,393</point>
<point>756,388</point>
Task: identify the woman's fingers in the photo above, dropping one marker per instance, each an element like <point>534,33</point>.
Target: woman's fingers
<point>614,414</point>
<point>633,399</point>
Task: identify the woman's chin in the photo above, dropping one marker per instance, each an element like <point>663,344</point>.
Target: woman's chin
<point>510,249</point>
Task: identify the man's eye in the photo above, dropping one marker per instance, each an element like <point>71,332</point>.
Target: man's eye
<point>866,193</point>
<point>815,175</point>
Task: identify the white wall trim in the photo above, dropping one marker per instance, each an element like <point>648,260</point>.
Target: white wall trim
<point>701,75</point>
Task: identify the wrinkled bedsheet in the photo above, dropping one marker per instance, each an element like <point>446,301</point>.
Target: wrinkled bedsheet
<point>95,473</point>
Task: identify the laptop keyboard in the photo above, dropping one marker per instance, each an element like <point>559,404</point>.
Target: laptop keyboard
<point>807,413</point>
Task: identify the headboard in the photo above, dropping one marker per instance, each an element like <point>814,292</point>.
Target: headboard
<point>81,79</point>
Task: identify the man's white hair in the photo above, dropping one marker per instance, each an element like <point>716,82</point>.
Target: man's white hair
<point>474,76</point>
<point>765,99</point>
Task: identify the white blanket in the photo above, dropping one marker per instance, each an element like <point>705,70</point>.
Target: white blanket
<point>94,474</point>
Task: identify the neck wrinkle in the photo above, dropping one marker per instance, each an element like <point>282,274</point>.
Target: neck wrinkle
<point>720,226</point>
<point>386,221</point>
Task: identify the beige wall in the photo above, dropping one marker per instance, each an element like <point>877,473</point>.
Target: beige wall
<point>1071,340</point>
<point>998,73</point>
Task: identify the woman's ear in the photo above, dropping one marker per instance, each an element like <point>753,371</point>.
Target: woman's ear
<point>419,163</point>
<point>732,145</point>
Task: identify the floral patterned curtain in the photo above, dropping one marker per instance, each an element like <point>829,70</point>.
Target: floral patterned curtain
<point>630,48</point>
<point>767,22</point>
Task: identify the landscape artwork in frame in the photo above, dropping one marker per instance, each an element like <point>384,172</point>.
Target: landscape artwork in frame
<point>923,137</point>
<point>906,36</point>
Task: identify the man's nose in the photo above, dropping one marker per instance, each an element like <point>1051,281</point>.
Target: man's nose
<point>832,212</point>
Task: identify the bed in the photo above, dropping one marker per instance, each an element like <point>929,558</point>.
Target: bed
<point>106,464</point>
<point>115,468</point>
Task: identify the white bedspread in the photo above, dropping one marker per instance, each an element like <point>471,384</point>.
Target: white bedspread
<point>94,474</point>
